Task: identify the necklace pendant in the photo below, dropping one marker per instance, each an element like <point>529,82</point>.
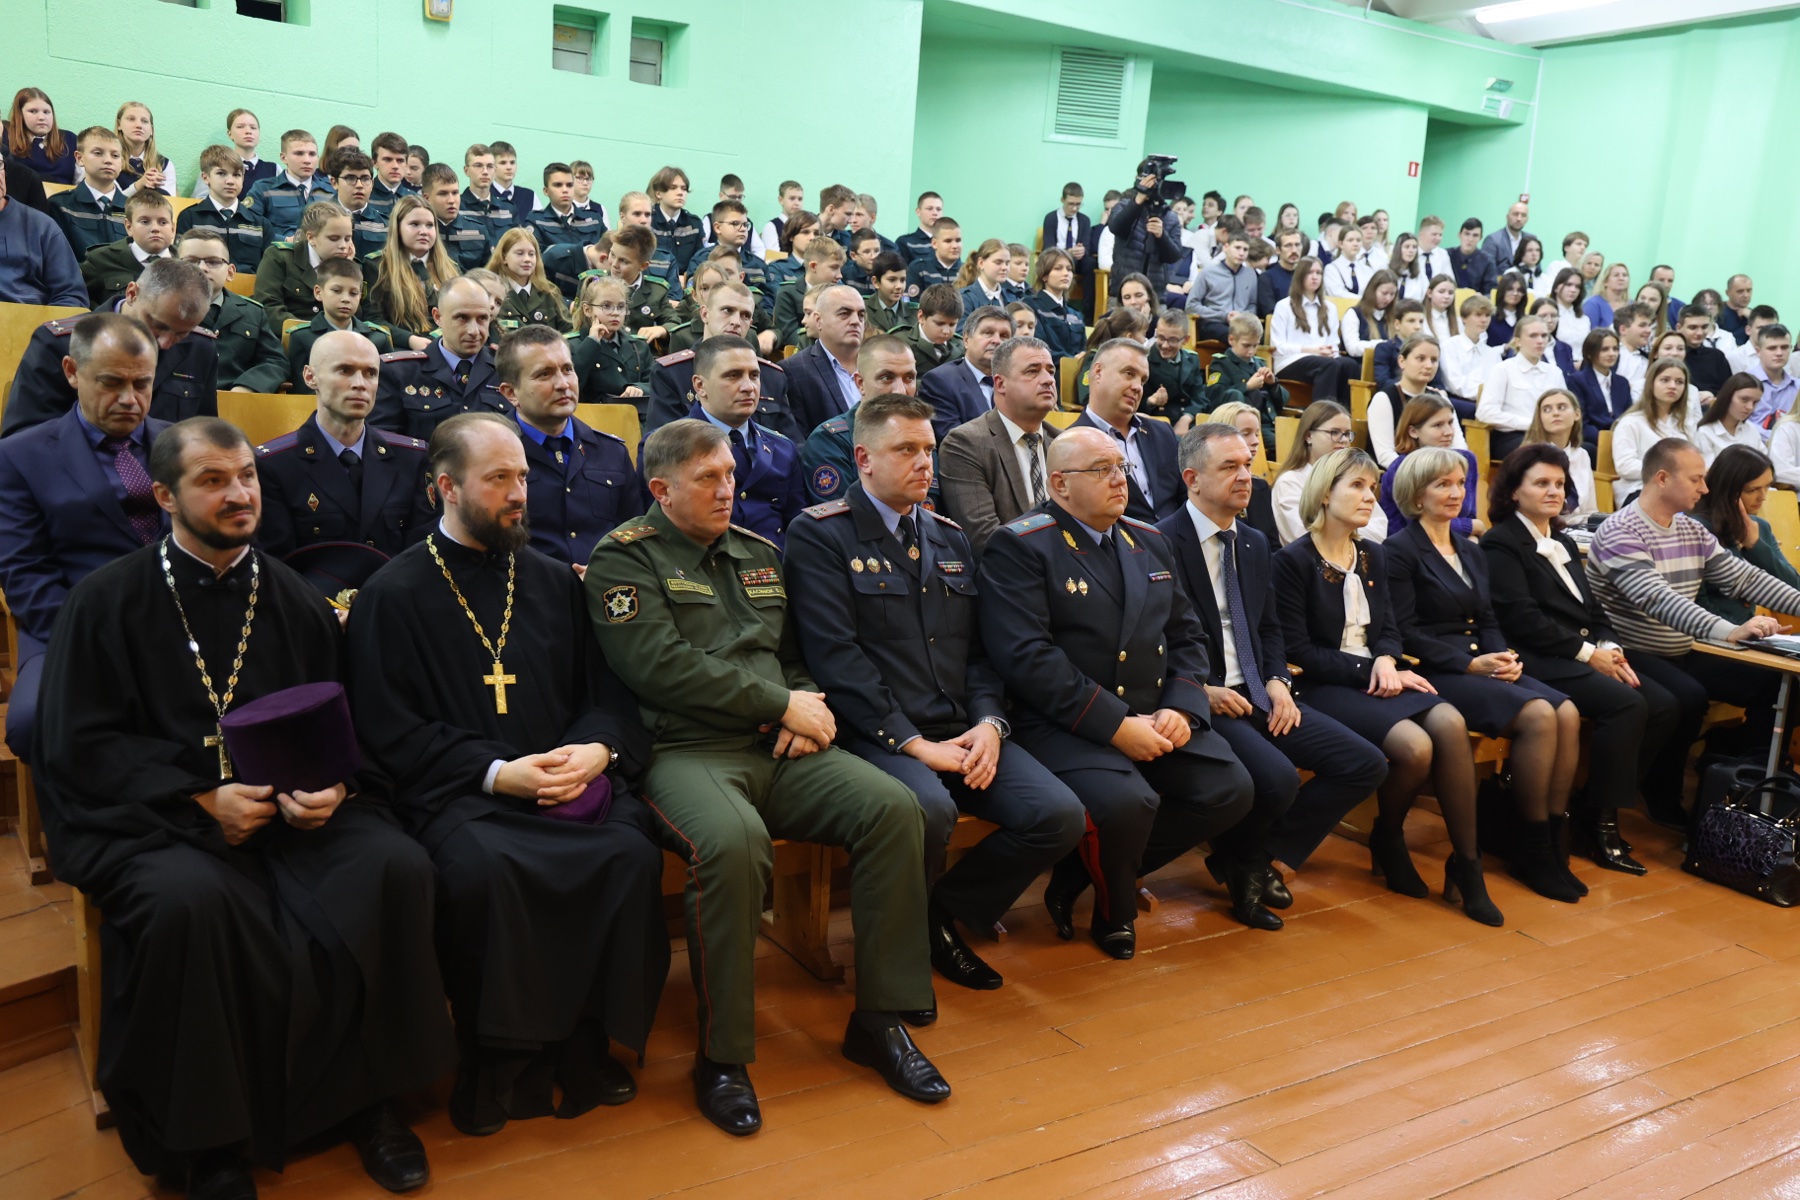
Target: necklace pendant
<point>498,681</point>
<point>216,741</point>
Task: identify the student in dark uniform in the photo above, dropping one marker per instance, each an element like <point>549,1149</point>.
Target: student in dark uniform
<point>898,654</point>
<point>728,311</point>
<point>479,200</point>
<point>1177,386</point>
<point>420,389</point>
<point>727,390</point>
<point>821,264</point>
<point>171,299</point>
<point>581,484</point>
<point>31,136</point>
<point>1223,566</point>
<point>939,266</point>
<point>353,177</point>
<point>92,213</point>
<point>859,266</point>
<point>149,235</point>
<point>651,310</point>
<point>799,232</point>
<point>336,478</point>
<point>250,357</point>
<point>568,266</point>
<point>933,336</point>
<point>731,231</point>
<point>917,244</point>
<point>287,277</point>
<point>887,304</point>
<point>283,198</point>
<point>612,364</point>
<point>226,209</point>
<point>388,157</point>
<point>557,223</point>
<point>1060,324</point>
<point>339,293</point>
<point>464,238</point>
<point>1106,664</point>
<point>506,189</point>
<point>678,232</point>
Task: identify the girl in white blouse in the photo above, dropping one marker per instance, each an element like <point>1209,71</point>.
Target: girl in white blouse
<point>1324,427</point>
<point>1572,324</point>
<point>1365,326</point>
<point>1418,367</point>
<point>1408,268</point>
<point>1558,422</point>
<point>1661,413</point>
<point>1468,357</point>
<point>1349,272</point>
<point>1303,334</point>
<point>1440,309</point>
<point>1727,423</point>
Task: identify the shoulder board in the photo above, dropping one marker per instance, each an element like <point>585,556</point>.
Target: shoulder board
<point>245,202</point>
<point>247,299</point>
<point>203,331</point>
<point>751,533</point>
<point>591,273</point>
<point>61,326</point>
<point>290,246</point>
<point>403,356</point>
<point>286,441</point>
<point>370,257</point>
<point>398,440</point>
<point>609,436</point>
<point>774,366</point>
<point>1031,524</point>
<point>1140,525</point>
<point>830,508</point>
<point>632,533</point>
<point>941,518</point>
<point>837,424</point>
<point>669,360</point>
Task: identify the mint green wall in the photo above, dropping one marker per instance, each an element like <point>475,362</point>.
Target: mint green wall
<point>378,64</point>
<point>1280,145</point>
<point>1670,147</point>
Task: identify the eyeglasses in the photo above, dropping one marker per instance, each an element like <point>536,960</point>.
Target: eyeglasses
<point>1107,474</point>
<point>610,308</point>
<point>209,263</point>
<point>356,177</point>
<point>1340,436</point>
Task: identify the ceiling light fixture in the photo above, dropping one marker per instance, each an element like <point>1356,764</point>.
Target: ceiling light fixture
<point>1520,10</point>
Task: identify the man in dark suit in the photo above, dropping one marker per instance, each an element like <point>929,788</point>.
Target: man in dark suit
<point>962,390</point>
<point>994,467</point>
<point>1472,266</point>
<point>1116,384</point>
<point>727,390</point>
<point>75,493</point>
<point>1223,567</point>
<point>1070,230</point>
<point>171,299</point>
<point>730,309</point>
<point>1106,665</point>
<point>822,377</point>
<point>885,595</point>
<point>336,479</point>
<point>421,389</point>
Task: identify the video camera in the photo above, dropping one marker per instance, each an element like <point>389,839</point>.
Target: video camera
<point>1166,190</point>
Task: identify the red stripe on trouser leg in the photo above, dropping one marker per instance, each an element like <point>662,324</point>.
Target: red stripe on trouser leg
<point>1089,850</point>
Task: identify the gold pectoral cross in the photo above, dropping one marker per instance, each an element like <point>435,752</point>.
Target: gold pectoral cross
<point>216,741</point>
<point>498,681</point>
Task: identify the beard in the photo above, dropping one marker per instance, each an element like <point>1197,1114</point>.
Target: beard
<point>210,535</point>
<point>485,527</point>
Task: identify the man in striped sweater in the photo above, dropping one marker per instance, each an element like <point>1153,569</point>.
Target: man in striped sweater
<point>1646,564</point>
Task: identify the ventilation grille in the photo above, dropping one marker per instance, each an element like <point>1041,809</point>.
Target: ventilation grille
<point>1090,94</point>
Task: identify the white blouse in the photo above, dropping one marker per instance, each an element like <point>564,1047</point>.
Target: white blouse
<point>1356,617</point>
<point>1581,476</point>
<point>1712,440</point>
<point>1384,416</point>
<point>1633,435</point>
<point>1290,342</point>
<point>1784,450</point>
<point>1572,328</point>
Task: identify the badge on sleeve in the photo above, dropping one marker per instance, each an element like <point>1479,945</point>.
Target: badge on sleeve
<point>826,480</point>
<point>621,603</point>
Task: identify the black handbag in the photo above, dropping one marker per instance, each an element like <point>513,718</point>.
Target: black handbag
<point>1745,838</point>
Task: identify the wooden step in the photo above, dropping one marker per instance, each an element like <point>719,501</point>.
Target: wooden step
<point>37,963</point>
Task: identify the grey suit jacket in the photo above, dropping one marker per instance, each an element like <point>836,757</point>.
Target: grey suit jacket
<point>982,487</point>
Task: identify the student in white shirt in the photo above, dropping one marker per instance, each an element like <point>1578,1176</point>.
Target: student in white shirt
<point>1431,248</point>
<point>1303,335</point>
<point>1632,324</point>
<point>1662,413</point>
<point>1440,308</point>
<point>1727,423</point>
<point>1558,422</point>
<point>1409,268</point>
<point>1418,367</point>
<point>1467,357</point>
<point>1349,272</point>
<point>1324,427</point>
<point>1574,249</point>
<point>1672,345</point>
<point>1509,397</point>
<point>1528,262</point>
<point>1374,251</point>
<point>1365,326</point>
<point>1572,324</point>
<point>1556,353</point>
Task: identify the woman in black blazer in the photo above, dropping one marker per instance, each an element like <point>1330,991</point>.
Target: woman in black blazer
<point>1439,583</point>
<point>1331,592</point>
<point>1560,631</point>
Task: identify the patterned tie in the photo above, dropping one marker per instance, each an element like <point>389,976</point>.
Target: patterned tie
<point>353,464</point>
<point>1031,441</point>
<point>1241,634</point>
<point>140,501</point>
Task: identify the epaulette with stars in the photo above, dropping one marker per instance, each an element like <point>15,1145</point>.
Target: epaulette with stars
<point>393,356</point>
<point>830,508</point>
<point>1030,524</point>
<point>632,533</point>
<point>751,533</point>
<point>397,440</point>
<point>940,517</point>
<point>286,441</point>
<point>669,360</point>
<point>60,326</point>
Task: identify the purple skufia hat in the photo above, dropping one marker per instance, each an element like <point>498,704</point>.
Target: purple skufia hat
<point>299,739</point>
<point>589,808</point>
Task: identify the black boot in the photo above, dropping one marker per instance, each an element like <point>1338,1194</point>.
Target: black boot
<point>1247,885</point>
<point>1559,845</point>
<point>1463,880</point>
<point>1596,835</point>
<point>1392,860</point>
<point>1533,863</point>
<point>1068,879</point>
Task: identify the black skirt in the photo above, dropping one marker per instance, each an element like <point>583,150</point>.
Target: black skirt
<point>1490,706</point>
<point>1369,717</point>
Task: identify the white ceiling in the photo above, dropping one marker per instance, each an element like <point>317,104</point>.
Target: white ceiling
<point>1549,22</point>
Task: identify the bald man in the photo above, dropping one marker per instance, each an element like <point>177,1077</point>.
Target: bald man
<point>421,389</point>
<point>336,478</point>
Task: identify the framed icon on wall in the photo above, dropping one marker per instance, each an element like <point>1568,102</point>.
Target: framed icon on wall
<point>438,10</point>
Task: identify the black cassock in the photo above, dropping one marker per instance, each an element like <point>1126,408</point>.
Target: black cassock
<point>551,934</point>
<point>259,993</point>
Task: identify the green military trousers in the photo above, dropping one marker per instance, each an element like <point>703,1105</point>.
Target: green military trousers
<point>720,803</point>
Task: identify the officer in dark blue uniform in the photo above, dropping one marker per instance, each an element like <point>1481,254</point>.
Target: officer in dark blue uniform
<point>886,604</point>
<point>1106,665</point>
<point>172,298</point>
<point>582,485</point>
<point>727,391</point>
<point>727,312</point>
<point>828,458</point>
<point>420,389</point>
<point>336,478</point>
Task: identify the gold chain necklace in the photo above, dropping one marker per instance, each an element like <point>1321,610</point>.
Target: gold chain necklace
<point>499,679</point>
<point>216,741</point>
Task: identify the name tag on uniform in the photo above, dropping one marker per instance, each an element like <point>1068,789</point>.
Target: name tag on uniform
<point>765,592</point>
<point>688,585</point>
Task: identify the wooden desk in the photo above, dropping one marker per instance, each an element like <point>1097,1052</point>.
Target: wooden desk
<point>1788,668</point>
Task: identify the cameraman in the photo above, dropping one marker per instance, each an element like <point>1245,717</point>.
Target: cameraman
<point>1142,240</point>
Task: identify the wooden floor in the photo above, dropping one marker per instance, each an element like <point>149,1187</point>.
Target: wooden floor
<point>1642,1044</point>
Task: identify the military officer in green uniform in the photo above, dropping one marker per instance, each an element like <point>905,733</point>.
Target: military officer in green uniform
<point>692,612</point>
<point>250,357</point>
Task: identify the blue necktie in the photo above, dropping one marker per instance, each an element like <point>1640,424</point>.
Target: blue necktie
<point>1241,634</point>
<point>741,453</point>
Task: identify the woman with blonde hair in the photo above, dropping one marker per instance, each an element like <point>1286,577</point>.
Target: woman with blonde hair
<point>1331,591</point>
<point>406,275</point>
<point>531,299</point>
<point>1325,427</point>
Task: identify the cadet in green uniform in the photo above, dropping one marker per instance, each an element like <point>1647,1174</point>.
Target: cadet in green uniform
<point>612,363</point>
<point>1236,373</point>
<point>530,298</point>
<point>652,312</point>
<point>149,232</point>
<point>339,291</point>
<point>286,276</point>
<point>887,306</point>
<point>1175,373</point>
<point>822,263</point>
<point>933,339</point>
<point>250,357</point>
<point>692,613</point>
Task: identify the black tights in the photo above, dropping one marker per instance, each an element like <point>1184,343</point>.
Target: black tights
<point>1436,744</point>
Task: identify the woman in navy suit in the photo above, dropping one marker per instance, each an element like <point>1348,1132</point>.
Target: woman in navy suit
<point>1604,393</point>
<point>1332,593</point>
<point>1439,583</point>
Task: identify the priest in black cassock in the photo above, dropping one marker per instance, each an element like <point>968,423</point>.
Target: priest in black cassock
<point>267,961</point>
<point>477,684</point>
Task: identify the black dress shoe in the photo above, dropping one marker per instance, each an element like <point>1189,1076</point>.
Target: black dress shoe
<point>725,1096</point>
<point>391,1153</point>
<point>1248,886</point>
<point>469,1113</point>
<point>1119,941</point>
<point>1275,890</point>
<point>953,958</point>
<point>1596,835</point>
<point>919,1018</point>
<point>220,1177</point>
<point>1066,883</point>
<point>896,1059</point>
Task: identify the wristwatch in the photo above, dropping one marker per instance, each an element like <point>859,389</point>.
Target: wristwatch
<point>1000,727</point>
<point>612,758</point>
